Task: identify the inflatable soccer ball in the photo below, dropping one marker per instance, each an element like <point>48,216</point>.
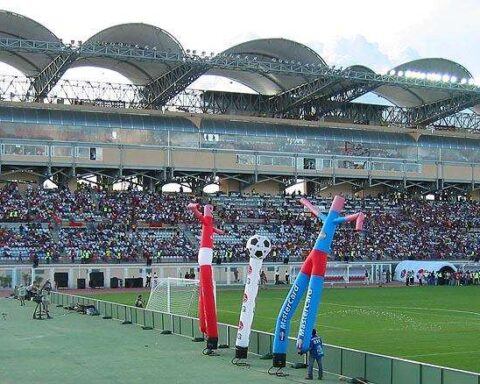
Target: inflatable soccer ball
<point>259,246</point>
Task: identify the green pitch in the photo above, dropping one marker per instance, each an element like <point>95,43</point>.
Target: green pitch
<point>437,325</point>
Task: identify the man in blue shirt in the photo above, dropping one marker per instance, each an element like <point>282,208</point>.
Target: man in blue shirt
<point>316,354</point>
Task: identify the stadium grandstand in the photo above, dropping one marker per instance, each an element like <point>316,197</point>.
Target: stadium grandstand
<point>301,126</point>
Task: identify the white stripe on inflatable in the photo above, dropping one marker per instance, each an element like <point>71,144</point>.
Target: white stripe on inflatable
<point>248,305</point>
<point>205,256</point>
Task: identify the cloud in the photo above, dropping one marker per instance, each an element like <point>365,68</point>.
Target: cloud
<point>359,50</point>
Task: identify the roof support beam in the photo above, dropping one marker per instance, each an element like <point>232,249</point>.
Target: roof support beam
<point>164,88</point>
<point>43,83</point>
<point>302,94</point>
<point>430,113</point>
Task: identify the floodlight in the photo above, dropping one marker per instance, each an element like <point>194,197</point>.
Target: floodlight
<point>453,79</point>
<point>392,72</point>
<point>464,81</point>
<point>471,81</point>
<point>400,73</point>
<point>446,77</point>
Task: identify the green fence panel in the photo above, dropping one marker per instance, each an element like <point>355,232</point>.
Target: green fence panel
<point>232,335</point>
<point>264,345</point>
<point>378,369</point>
<point>456,377</point>
<point>431,374</point>
<point>119,311</point>
<point>157,320</point>
<point>292,354</point>
<point>148,320</point>
<point>353,363</point>
<point>254,343</point>
<point>196,329</point>
<point>332,361</point>
<point>167,322</point>
<point>223,334</point>
<point>123,313</point>
<point>405,372</point>
<point>175,324</point>
<point>186,324</point>
<point>141,319</point>
<point>108,309</point>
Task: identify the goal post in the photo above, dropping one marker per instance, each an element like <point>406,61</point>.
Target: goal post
<point>175,296</point>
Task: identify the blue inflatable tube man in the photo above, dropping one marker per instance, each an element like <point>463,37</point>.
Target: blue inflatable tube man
<point>310,279</point>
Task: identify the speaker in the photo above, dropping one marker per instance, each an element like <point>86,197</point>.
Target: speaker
<point>96,280</point>
<point>80,283</point>
<point>61,279</point>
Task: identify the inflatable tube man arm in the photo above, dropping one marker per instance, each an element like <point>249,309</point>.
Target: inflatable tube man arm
<point>196,212</point>
<point>358,217</point>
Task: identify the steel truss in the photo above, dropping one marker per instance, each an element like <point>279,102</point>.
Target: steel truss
<point>167,86</point>
<point>437,115</point>
<point>223,61</point>
<point>189,66</point>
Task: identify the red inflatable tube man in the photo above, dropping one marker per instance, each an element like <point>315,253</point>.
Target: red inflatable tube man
<point>207,312</point>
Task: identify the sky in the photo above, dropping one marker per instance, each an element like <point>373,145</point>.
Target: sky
<point>378,34</point>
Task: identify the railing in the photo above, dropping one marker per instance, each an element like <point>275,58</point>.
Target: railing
<point>378,369</point>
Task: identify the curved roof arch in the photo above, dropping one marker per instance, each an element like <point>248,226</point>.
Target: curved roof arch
<point>414,97</point>
<point>270,49</point>
<point>136,34</point>
<point>15,26</point>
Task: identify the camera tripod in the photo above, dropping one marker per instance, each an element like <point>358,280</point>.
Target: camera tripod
<point>41,309</point>
<point>40,313</point>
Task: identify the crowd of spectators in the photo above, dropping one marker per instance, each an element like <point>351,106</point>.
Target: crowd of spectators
<point>92,225</point>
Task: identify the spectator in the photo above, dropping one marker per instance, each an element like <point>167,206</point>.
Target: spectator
<point>139,302</point>
<point>316,355</point>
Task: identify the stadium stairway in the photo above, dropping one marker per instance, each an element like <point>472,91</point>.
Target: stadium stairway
<point>189,236</point>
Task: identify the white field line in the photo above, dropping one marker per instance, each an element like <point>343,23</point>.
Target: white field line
<point>441,353</point>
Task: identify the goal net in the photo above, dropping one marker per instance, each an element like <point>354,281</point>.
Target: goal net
<point>174,295</point>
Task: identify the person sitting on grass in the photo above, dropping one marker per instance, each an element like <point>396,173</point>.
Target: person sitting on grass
<point>316,354</point>
<point>139,302</point>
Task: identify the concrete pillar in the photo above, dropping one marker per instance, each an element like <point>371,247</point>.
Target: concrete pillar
<point>229,278</point>
<point>33,275</point>
<point>107,277</point>
<point>87,278</point>
<point>71,282</point>
<point>14,277</point>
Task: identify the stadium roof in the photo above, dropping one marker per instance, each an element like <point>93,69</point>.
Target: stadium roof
<point>268,49</point>
<point>163,79</point>
<point>135,34</point>
<point>410,97</point>
<point>16,26</point>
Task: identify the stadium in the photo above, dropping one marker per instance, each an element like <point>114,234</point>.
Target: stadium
<point>101,186</point>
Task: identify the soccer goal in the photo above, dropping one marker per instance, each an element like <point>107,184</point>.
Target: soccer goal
<point>174,295</point>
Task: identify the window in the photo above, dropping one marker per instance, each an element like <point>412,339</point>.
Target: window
<point>25,150</point>
<point>245,159</point>
<point>62,151</point>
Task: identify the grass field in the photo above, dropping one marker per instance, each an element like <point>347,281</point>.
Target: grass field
<point>438,325</point>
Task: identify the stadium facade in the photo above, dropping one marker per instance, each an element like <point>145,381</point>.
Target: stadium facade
<point>300,124</point>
